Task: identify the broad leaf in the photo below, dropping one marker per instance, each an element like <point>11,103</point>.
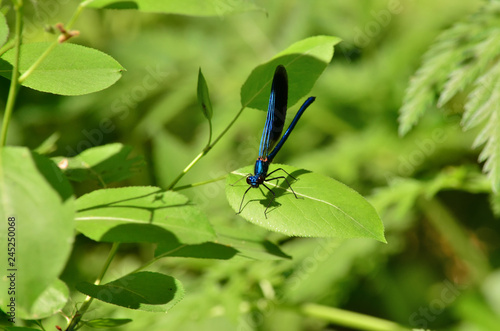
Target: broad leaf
<point>104,164</point>
<point>325,208</point>
<point>69,69</point>
<point>181,7</point>
<point>147,291</point>
<point>304,61</point>
<point>36,193</point>
<point>141,214</point>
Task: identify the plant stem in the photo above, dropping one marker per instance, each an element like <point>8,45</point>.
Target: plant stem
<point>449,227</point>
<point>200,183</point>
<point>14,82</point>
<point>205,151</point>
<point>75,319</point>
<point>350,319</point>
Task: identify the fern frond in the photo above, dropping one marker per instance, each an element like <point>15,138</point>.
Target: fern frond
<point>421,94</point>
<point>444,56</point>
<point>466,56</point>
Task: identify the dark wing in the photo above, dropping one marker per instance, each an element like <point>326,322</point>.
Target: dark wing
<point>276,112</point>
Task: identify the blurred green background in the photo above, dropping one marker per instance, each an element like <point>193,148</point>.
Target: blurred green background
<point>439,269</point>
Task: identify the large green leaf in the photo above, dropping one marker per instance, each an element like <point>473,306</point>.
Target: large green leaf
<point>148,291</point>
<point>141,214</point>
<point>36,193</point>
<point>69,69</point>
<point>325,208</point>
<point>181,7</point>
<point>304,61</point>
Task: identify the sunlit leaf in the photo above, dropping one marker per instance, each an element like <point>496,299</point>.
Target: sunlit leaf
<point>304,61</point>
<point>36,193</point>
<point>325,208</point>
<point>141,214</point>
<point>69,69</point>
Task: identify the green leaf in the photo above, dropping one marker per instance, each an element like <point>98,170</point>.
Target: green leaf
<point>204,97</point>
<point>141,214</point>
<point>304,61</point>
<point>147,291</point>
<point>104,323</point>
<point>325,208</point>
<point>181,7</point>
<point>207,250</point>
<point>36,193</point>
<point>4,29</point>
<point>250,244</point>
<point>69,69</point>
<point>104,164</point>
<point>50,302</point>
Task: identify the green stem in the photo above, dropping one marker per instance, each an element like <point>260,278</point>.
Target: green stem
<point>449,227</point>
<point>350,319</point>
<point>205,151</point>
<point>44,55</point>
<point>37,62</point>
<point>14,83</point>
<point>76,318</point>
<point>200,183</point>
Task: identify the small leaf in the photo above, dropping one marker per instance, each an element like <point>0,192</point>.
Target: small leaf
<point>180,7</point>
<point>69,69</point>
<point>325,208</point>
<point>36,193</point>
<point>141,214</point>
<point>304,61</point>
<point>204,97</point>
<point>147,291</point>
<point>104,164</point>
<point>48,145</point>
<point>4,29</point>
<point>104,323</point>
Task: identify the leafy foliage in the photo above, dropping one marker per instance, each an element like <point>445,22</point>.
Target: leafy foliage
<point>465,58</point>
<point>438,269</point>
